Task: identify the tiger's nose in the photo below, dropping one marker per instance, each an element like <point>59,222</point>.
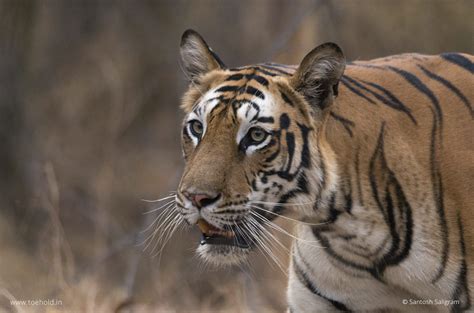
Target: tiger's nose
<point>201,200</point>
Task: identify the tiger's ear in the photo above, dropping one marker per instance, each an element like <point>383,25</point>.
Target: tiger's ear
<point>198,58</point>
<point>318,75</point>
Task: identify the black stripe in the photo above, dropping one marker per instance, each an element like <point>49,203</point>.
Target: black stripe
<point>344,121</point>
<point>284,121</point>
<point>237,104</point>
<point>305,162</point>
<point>322,168</point>
<point>372,167</point>
<point>235,77</point>
<point>418,84</point>
<point>256,68</point>
<point>260,79</point>
<point>354,90</point>
<point>371,66</point>
<point>274,69</point>
<point>220,98</point>
<point>435,174</point>
<point>274,154</point>
<point>438,198</point>
<point>392,224</point>
<point>394,207</point>
<point>304,279</point>
<point>333,213</point>
<point>290,143</point>
<point>391,100</point>
<point>265,119</point>
<point>450,86</point>
<point>286,99</point>
<point>185,132</point>
<point>305,154</point>
<point>302,182</point>
<point>401,250</point>
<point>359,186</point>
<point>462,289</point>
<point>291,67</point>
<point>317,232</point>
<point>263,71</point>
<point>254,92</point>
<point>460,60</point>
<point>228,89</point>
<point>348,198</point>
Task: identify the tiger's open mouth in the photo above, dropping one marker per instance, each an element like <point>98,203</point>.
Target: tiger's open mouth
<point>215,236</point>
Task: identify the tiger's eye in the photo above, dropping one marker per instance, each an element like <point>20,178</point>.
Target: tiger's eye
<point>257,135</point>
<point>197,128</point>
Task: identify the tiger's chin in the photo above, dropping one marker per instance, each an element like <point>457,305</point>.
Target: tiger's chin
<point>222,247</point>
<point>222,255</point>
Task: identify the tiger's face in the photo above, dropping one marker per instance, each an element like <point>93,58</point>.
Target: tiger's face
<point>248,139</point>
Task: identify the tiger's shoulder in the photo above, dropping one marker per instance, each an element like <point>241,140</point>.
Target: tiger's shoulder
<point>415,113</point>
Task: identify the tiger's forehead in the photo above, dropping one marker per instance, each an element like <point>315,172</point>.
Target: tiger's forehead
<point>248,107</point>
<point>246,94</point>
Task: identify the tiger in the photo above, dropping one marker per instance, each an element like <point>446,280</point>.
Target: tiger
<point>374,159</point>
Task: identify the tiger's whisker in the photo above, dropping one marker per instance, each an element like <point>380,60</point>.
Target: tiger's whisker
<point>160,199</point>
<point>157,200</point>
<point>286,217</point>
<point>155,221</point>
<point>165,218</point>
<point>159,208</point>
<point>269,234</point>
<point>257,242</point>
<point>251,239</point>
<point>161,231</point>
<point>265,247</point>
<point>177,221</point>
<point>285,204</point>
<point>278,228</point>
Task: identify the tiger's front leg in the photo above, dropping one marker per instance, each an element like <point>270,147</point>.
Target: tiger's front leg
<point>317,284</point>
<point>304,296</point>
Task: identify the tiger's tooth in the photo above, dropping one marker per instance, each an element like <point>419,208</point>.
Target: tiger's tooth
<point>208,229</point>
<point>203,226</point>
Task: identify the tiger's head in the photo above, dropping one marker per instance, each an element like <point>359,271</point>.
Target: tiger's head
<point>253,143</point>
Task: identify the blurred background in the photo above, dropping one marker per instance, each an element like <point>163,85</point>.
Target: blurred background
<point>90,123</point>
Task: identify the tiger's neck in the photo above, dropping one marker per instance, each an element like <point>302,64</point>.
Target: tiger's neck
<point>342,167</point>
<point>328,193</point>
